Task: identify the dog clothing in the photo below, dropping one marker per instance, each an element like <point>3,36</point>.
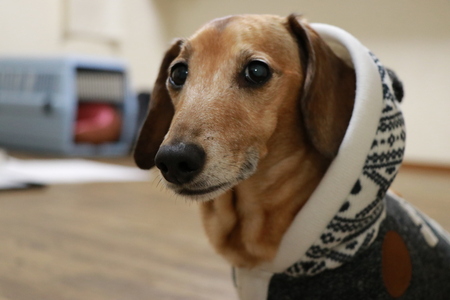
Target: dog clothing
<point>354,239</point>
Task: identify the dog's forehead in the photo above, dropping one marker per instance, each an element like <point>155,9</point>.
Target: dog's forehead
<point>231,34</point>
<point>243,22</point>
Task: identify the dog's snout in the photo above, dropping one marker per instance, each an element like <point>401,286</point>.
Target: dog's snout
<point>180,163</point>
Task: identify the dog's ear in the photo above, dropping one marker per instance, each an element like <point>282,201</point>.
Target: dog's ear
<point>159,116</point>
<point>328,91</point>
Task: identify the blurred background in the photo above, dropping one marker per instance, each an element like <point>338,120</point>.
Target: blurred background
<point>410,36</point>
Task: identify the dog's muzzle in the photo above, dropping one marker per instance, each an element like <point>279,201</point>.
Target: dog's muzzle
<point>180,163</point>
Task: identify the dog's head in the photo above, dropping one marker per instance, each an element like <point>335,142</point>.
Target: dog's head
<point>223,95</point>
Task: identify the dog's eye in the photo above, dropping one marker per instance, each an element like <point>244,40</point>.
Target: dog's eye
<point>178,74</point>
<point>257,72</point>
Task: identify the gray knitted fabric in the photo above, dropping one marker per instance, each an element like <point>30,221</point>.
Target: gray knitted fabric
<point>361,278</point>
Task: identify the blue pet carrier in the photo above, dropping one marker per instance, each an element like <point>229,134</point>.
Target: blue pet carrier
<point>40,98</point>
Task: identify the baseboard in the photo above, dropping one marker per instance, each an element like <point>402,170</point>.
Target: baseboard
<point>426,167</point>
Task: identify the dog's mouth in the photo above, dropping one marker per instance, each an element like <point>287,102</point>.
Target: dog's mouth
<point>201,191</point>
<point>215,180</point>
<point>204,191</point>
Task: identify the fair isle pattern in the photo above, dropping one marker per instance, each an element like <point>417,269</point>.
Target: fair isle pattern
<point>356,225</point>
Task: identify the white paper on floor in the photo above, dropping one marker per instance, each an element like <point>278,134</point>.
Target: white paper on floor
<point>66,171</point>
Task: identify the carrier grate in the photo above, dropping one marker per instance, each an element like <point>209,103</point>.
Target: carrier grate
<point>98,86</point>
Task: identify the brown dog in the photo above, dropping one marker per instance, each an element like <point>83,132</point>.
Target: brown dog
<point>291,148</point>
<point>248,113</point>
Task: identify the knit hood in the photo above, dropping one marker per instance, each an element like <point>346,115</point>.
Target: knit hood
<point>343,215</point>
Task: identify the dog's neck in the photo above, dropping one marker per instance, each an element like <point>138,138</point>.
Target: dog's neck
<point>246,224</point>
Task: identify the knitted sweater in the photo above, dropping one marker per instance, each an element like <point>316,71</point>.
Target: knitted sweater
<point>332,250</point>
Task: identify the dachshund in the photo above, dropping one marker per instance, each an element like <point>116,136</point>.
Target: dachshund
<point>246,117</point>
<point>247,105</point>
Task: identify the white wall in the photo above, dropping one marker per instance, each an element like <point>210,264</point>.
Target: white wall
<point>410,36</point>
<point>36,27</point>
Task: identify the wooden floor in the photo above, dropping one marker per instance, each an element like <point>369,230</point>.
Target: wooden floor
<point>132,241</point>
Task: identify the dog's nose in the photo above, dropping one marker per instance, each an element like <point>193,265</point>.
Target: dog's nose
<point>181,162</point>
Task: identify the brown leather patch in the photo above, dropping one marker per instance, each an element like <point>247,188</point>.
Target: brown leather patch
<point>396,262</point>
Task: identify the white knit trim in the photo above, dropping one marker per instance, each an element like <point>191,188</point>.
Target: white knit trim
<point>252,284</point>
<point>338,181</point>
